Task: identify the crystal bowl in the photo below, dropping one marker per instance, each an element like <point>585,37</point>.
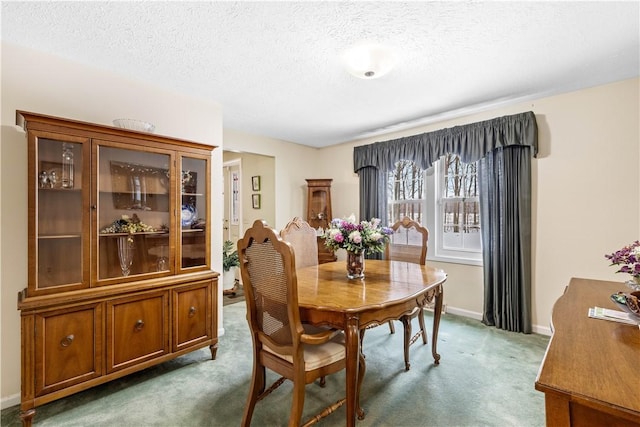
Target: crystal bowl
<point>132,124</point>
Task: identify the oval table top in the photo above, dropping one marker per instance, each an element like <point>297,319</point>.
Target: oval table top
<point>326,286</point>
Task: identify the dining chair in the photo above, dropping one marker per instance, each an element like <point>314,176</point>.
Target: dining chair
<point>409,243</point>
<point>281,343</point>
<point>304,240</point>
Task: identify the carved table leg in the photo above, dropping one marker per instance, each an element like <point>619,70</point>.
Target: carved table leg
<point>436,325</point>
<point>363,369</point>
<point>353,353</point>
<point>406,322</point>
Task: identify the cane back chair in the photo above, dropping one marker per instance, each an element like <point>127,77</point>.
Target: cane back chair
<point>280,342</point>
<point>304,240</point>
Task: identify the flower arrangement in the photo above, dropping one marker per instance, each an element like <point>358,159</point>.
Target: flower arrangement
<point>128,225</point>
<point>628,258</point>
<point>366,236</point>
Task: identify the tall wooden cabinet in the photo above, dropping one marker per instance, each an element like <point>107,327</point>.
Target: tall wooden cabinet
<point>319,213</point>
<point>119,255</point>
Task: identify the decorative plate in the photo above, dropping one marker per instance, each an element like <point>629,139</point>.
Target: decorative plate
<point>189,215</point>
<point>621,301</point>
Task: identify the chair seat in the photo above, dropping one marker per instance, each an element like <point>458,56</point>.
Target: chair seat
<point>317,356</point>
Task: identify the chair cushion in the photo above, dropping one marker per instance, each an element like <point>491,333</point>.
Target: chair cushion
<point>316,356</point>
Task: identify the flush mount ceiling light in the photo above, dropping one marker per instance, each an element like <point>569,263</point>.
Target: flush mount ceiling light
<point>369,60</point>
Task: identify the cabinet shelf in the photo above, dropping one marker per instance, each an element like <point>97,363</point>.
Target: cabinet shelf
<point>137,233</point>
<point>59,236</point>
<point>60,189</point>
<point>148,193</point>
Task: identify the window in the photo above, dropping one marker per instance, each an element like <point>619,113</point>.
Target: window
<point>405,192</point>
<point>444,198</point>
<point>458,214</point>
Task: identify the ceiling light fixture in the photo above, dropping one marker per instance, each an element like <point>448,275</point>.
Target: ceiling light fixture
<point>369,60</point>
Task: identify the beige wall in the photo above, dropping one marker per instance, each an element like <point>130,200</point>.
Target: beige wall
<point>293,164</point>
<point>264,167</point>
<point>586,192</point>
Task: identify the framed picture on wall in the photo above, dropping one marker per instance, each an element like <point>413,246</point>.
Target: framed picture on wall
<point>255,201</point>
<point>255,183</point>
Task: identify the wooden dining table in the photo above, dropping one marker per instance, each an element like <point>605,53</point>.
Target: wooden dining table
<point>389,290</point>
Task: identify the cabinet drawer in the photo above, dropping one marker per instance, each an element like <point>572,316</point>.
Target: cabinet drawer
<point>67,347</point>
<point>192,316</point>
<point>137,329</point>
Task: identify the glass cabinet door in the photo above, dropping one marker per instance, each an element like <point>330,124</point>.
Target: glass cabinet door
<point>59,237</point>
<point>133,211</point>
<point>194,190</point>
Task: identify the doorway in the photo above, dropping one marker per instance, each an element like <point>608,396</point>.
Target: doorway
<point>232,218</point>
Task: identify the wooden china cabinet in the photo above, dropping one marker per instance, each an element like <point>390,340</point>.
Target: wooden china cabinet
<point>119,255</point>
<point>319,213</point>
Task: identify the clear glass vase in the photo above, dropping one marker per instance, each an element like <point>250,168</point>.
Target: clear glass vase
<point>634,283</point>
<point>125,254</point>
<point>67,165</point>
<point>355,265</point>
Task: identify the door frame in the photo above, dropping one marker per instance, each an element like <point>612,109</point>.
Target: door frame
<point>228,191</point>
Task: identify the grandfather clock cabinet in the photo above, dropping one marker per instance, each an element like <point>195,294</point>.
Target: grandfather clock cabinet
<point>319,213</point>
<point>119,274</point>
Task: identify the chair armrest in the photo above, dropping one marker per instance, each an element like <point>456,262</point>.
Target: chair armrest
<point>319,338</point>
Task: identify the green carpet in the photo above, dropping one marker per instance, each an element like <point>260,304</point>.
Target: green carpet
<point>485,378</point>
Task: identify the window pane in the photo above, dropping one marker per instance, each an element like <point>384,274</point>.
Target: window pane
<point>460,205</point>
<point>405,189</point>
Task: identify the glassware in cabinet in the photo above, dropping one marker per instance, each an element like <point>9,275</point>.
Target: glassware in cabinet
<point>133,211</point>
<point>59,232</point>
<point>194,214</point>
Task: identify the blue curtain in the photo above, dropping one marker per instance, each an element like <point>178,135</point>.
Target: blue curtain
<point>506,145</point>
<point>504,176</point>
<point>373,184</point>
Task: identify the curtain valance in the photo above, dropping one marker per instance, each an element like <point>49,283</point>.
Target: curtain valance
<point>471,142</point>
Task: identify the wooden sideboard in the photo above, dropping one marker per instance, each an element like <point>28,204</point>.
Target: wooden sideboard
<point>591,371</point>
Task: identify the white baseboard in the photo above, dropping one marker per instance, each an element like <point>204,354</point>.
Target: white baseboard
<point>8,402</point>
<point>464,313</point>
<point>543,330</point>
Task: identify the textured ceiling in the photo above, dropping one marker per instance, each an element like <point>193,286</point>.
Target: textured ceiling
<point>275,66</point>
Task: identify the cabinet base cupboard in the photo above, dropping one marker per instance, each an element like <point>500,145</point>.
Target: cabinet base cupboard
<point>119,275</point>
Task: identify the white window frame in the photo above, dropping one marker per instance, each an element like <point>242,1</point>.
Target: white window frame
<point>435,184</point>
<point>433,188</point>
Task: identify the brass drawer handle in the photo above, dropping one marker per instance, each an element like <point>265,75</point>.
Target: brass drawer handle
<point>66,341</point>
<point>192,311</point>
<point>139,325</point>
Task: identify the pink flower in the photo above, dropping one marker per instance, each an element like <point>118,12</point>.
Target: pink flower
<point>628,259</point>
<point>357,237</point>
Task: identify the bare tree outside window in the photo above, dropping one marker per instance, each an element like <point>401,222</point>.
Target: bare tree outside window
<point>446,201</point>
<point>405,189</point>
<point>460,204</point>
